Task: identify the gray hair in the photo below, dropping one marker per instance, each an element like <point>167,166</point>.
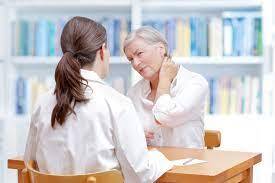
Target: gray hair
<point>148,34</point>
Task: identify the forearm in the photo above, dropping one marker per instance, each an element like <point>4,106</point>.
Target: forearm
<point>163,88</point>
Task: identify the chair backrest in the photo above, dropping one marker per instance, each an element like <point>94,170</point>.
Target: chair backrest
<point>31,175</point>
<point>212,138</point>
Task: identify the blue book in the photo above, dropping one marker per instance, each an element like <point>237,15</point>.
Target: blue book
<point>129,25</point>
<point>212,88</point>
<point>240,38</point>
<point>202,36</point>
<point>193,36</point>
<point>20,96</point>
<point>205,37</point>
<point>117,30</point>
<point>109,26</point>
<point>52,34</point>
<point>171,35</point>
<point>23,37</point>
<point>197,36</point>
<point>30,40</point>
<point>248,36</point>
<point>41,38</point>
<point>235,37</point>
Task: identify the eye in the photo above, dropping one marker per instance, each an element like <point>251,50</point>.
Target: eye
<point>139,53</point>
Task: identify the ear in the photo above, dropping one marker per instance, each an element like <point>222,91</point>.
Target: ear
<point>102,51</point>
<point>161,49</point>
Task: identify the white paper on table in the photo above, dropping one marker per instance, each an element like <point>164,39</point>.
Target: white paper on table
<point>187,161</point>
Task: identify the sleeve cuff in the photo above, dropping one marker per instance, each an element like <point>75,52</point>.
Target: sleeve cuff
<point>161,163</point>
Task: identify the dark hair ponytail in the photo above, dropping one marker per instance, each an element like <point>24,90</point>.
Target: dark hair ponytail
<point>80,40</point>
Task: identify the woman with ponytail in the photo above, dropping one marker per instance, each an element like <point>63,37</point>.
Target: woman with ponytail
<point>83,125</point>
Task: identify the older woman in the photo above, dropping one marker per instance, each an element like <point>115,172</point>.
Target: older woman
<point>170,99</point>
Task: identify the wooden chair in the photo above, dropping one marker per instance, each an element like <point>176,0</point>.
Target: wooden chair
<point>31,175</point>
<point>212,138</point>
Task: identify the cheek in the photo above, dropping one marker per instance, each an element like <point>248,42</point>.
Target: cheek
<point>148,58</point>
<point>155,61</point>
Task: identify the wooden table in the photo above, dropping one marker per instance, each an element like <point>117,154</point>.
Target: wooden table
<point>221,166</point>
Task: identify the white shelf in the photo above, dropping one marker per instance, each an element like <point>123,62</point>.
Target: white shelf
<point>220,60</point>
<point>97,4</point>
<point>33,60</point>
<point>226,116</point>
<point>19,118</point>
<point>202,5</point>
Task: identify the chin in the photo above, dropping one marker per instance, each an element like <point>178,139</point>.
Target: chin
<point>148,76</point>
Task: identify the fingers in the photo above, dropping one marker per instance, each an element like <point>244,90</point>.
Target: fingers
<point>149,135</point>
<point>167,59</point>
<point>157,122</point>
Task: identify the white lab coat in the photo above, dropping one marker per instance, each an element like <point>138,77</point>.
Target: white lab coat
<point>105,134</point>
<point>181,113</point>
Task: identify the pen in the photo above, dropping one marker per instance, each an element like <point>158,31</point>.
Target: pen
<point>188,161</point>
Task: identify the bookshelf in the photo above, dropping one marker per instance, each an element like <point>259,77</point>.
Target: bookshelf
<point>31,60</point>
<point>200,5</point>
<point>95,4</point>
<point>137,11</point>
<point>219,60</point>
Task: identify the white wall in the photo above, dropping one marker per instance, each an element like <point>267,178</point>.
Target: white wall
<point>249,134</point>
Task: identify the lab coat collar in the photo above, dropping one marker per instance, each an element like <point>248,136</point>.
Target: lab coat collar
<point>91,76</point>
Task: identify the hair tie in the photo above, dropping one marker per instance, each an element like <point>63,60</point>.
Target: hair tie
<point>70,52</point>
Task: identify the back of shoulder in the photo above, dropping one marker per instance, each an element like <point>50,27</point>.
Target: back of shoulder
<point>115,98</point>
<point>45,100</point>
<point>43,106</point>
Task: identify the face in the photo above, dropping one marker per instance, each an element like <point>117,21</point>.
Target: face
<point>145,59</point>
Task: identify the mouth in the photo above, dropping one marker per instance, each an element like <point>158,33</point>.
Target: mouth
<point>141,69</point>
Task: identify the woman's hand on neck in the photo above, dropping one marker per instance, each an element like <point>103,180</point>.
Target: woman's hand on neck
<point>167,73</point>
<point>154,82</point>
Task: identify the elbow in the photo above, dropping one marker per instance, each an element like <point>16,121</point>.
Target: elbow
<point>167,120</point>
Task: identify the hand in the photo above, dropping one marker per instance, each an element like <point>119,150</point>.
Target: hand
<point>168,70</point>
<point>149,136</point>
<point>157,122</point>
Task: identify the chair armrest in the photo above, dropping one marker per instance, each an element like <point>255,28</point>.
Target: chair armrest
<point>212,138</point>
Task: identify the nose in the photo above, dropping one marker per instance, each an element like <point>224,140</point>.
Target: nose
<point>135,62</point>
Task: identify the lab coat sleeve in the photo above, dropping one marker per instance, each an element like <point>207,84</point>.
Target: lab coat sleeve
<point>174,111</point>
<point>30,149</point>
<point>139,164</point>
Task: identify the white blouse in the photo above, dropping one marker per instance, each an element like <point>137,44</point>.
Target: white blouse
<point>104,134</point>
<point>181,113</point>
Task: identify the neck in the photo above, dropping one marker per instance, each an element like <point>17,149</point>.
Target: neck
<point>88,68</point>
<point>94,67</point>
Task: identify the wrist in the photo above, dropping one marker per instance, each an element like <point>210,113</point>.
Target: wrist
<point>164,83</point>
